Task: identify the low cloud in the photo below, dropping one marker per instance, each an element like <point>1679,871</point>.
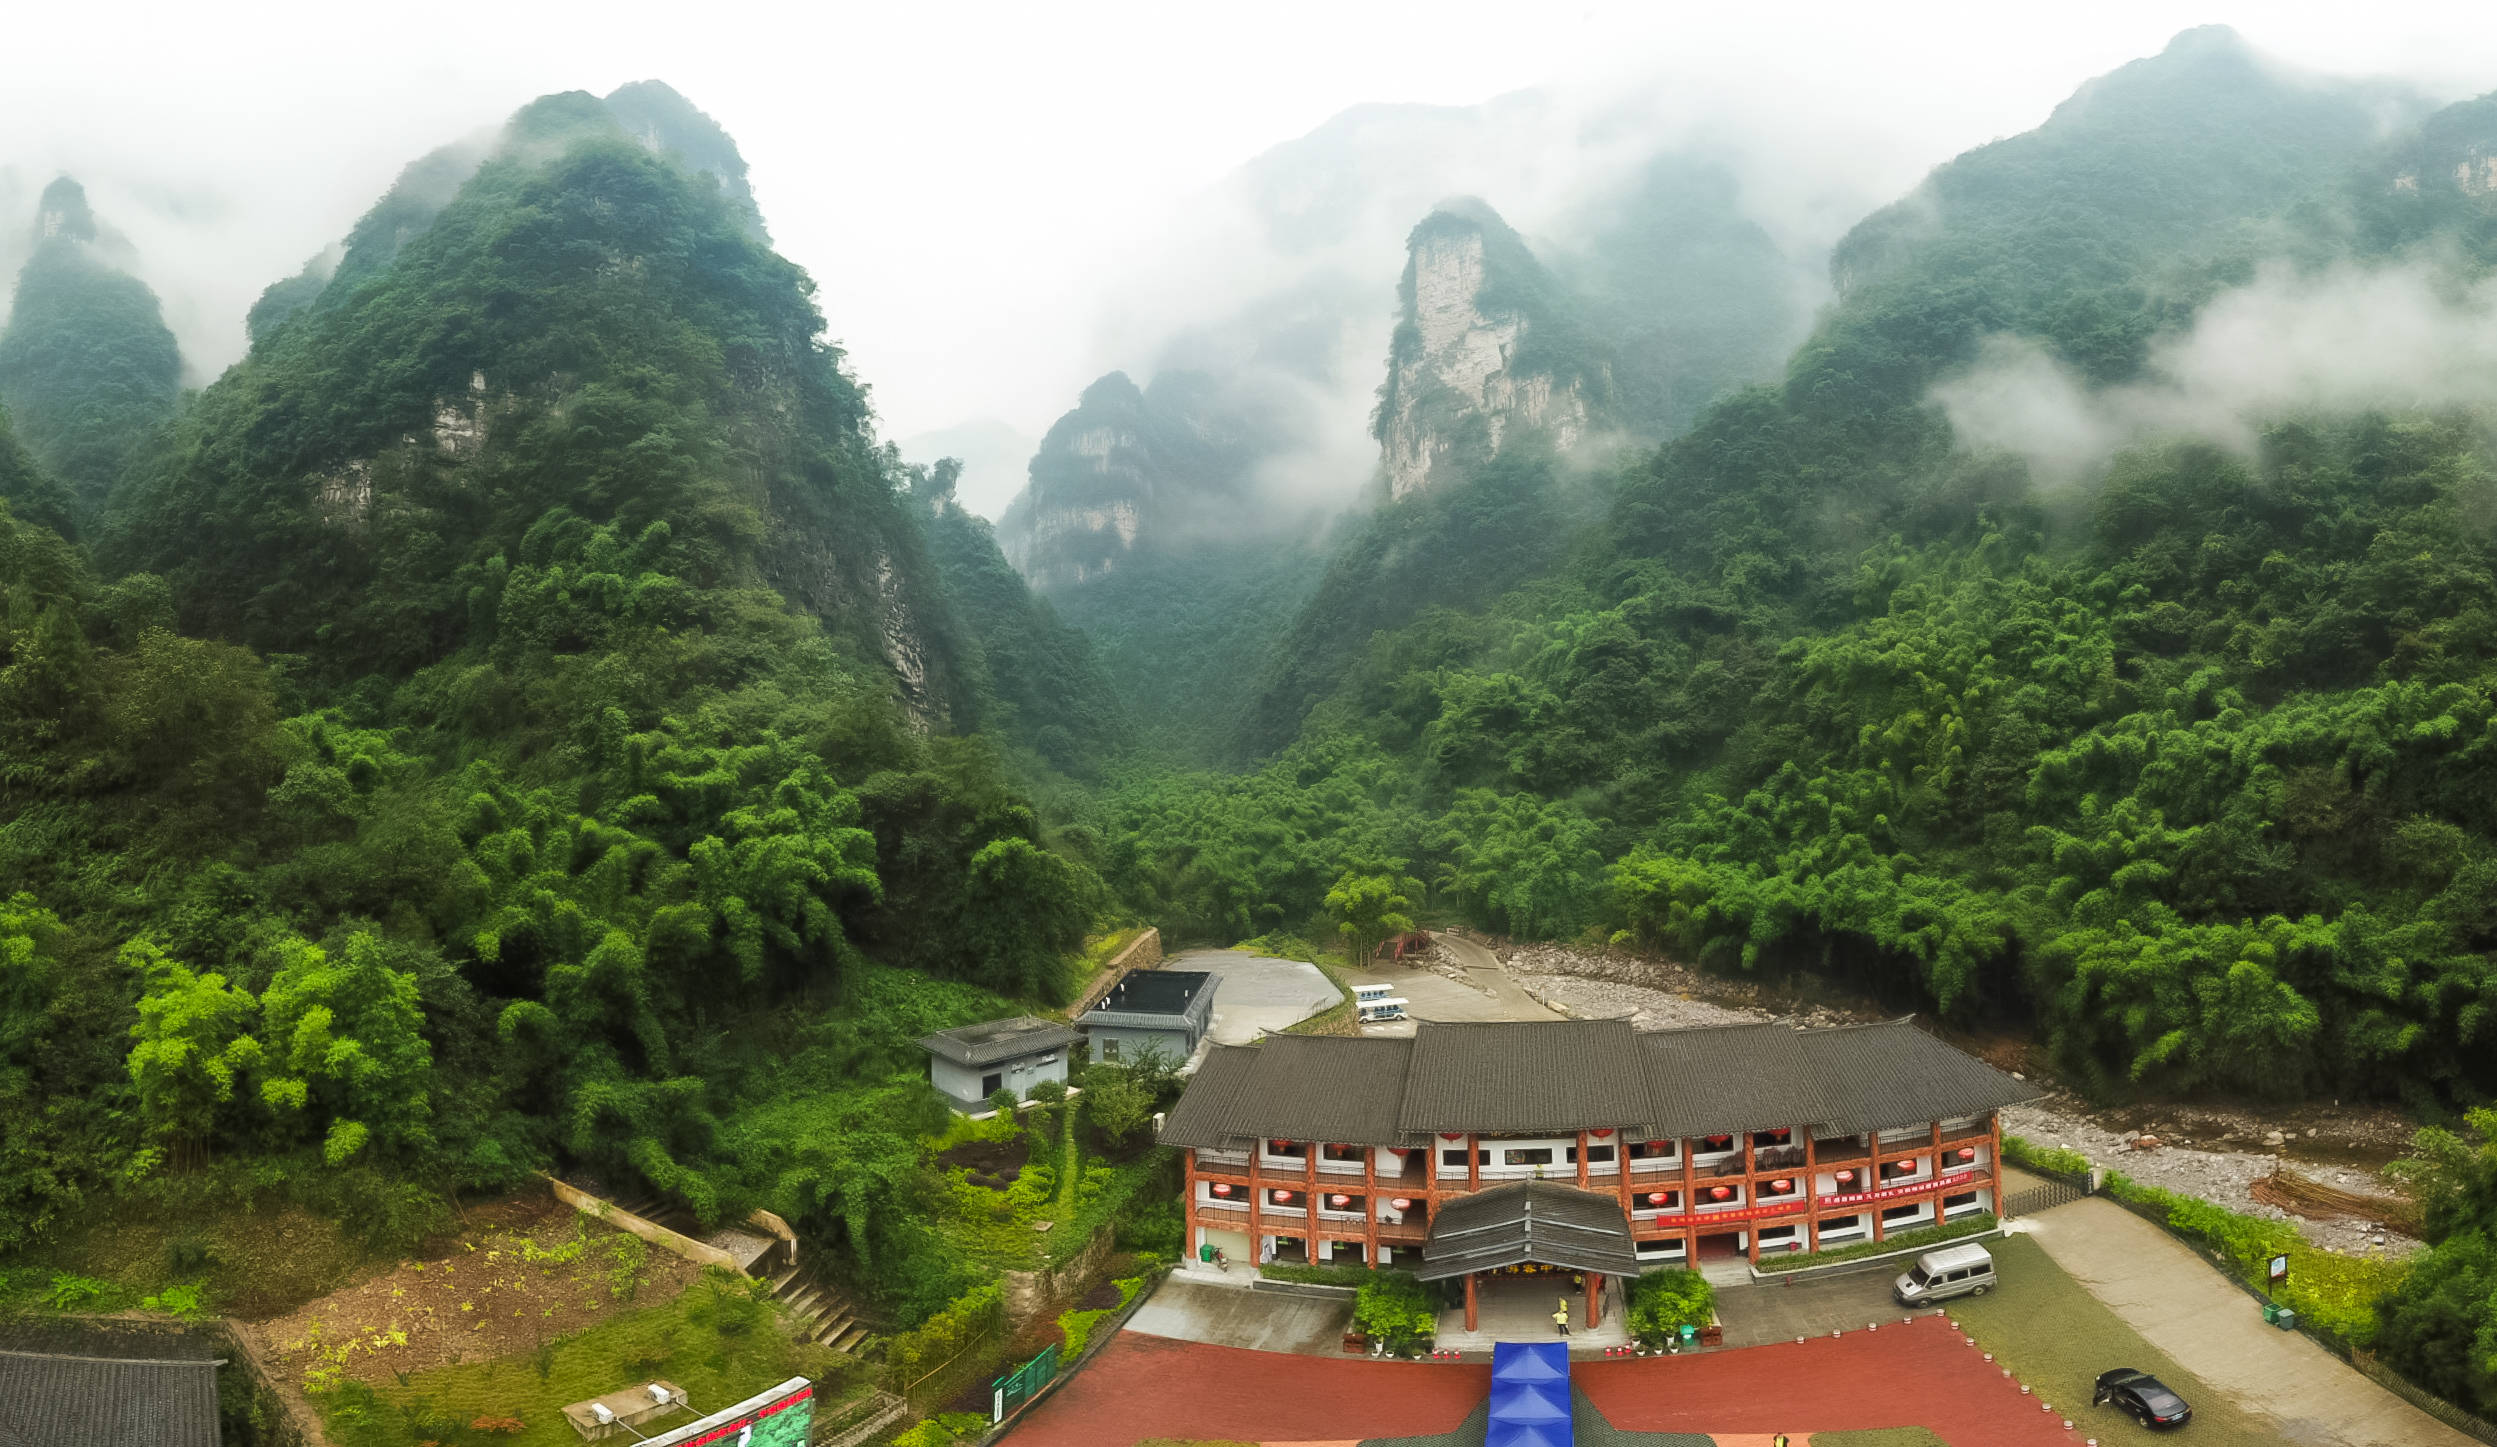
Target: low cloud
<point>2345,339</point>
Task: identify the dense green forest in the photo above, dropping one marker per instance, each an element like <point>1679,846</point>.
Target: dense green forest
<point>519,717</point>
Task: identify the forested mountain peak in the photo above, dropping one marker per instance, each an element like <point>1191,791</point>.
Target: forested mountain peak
<point>63,212</point>
<point>88,368</point>
<point>1489,351</point>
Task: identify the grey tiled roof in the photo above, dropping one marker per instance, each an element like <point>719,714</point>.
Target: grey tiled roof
<point>1879,1076</point>
<point>75,1401</point>
<point>1731,1078</point>
<point>1297,1087</point>
<point>1556,1077</point>
<point>991,1041</point>
<point>1541,1221</point>
<point>1524,1077</point>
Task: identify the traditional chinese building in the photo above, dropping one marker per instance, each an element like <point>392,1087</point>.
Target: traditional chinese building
<point>1719,1142</point>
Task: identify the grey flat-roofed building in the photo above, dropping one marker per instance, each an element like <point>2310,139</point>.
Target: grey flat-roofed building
<point>970,1063</point>
<point>1164,1010</point>
<point>48,1400</point>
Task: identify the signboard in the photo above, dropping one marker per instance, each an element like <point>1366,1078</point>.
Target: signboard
<point>781,1417</point>
<point>2280,1269</point>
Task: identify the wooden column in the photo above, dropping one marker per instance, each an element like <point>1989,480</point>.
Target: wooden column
<point>1469,1301</point>
<point>1690,1205</point>
<point>1994,1163</point>
<point>1595,1299</point>
<point>1811,1191</point>
<point>1582,1160</point>
<point>1257,1202</point>
<point>1370,1204</point>
<point>1310,1198</point>
<point>1189,1242</point>
<point>1473,1163</point>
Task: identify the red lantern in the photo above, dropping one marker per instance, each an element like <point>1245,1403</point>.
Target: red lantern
<point>1278,1147</point>
<point>1904,1165</point>
<point>1658,1148</point>
<point>1402,1204</point>
<point>1780,1134</point>
<point>1222,1188</point>
<point>1783,1185</point>
<point>1452,1135</point>
<point>1719,1142</point>
<point>1600,1132</point>
<point>1720,1193</point>
<point>1339,1202</point>
<point>1846,1177</point>
<point>1967,1153</point>
<point>1281,1197</point>
<point>1655,1198</point>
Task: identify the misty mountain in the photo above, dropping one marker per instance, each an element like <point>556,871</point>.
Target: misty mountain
<point>996,459</point>
<point>88,368</point>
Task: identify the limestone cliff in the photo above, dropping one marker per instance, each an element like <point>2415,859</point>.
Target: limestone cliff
<point>1488,354</point>
<point>1133,467</point>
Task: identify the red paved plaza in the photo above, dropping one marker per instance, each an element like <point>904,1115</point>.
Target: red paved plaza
<point>1923,1374</point>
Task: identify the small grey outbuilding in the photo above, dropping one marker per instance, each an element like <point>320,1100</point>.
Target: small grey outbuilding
<point>1164,1010</point>
<point>970,1063</point>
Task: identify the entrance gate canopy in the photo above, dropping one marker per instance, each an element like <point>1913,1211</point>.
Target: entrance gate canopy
<point>1539,1221</point>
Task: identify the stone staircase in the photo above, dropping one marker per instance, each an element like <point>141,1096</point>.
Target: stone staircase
<point>820,1312</point>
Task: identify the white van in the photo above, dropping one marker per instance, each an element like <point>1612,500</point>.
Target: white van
<point>1377,1002</point>
<point>1941,1275</point>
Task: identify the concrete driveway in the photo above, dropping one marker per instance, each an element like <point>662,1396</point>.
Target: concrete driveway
<point>1235,1316</point>
<point>1488,992</point>
<point>1256,994</point>
<point>2182,1306</point>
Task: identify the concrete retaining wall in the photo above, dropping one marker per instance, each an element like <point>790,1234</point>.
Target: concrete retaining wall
<point>1031,1295</point>
<point>674,1242</point>
<point>1144,952</point>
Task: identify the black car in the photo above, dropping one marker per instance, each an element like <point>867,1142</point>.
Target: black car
<point>2143,1395</point>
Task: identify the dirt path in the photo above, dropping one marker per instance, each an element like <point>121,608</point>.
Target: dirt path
<point>2181,1306</point>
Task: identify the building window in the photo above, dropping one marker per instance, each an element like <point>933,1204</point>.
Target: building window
<point>1340,1153</point>
<point>1109,1047</point>
<point>1529,1156</point>
<point>1900,1215</point>
<point>1457,1158</point>
<point>1596,1155</point>
<point>992,1083</point>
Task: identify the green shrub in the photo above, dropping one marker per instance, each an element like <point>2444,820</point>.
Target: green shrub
<point>1663,1302</point>
<point>2045,1158</point>
<point>1393,1307</point>
<point>1318,1275</point>
<point>2334,1294</point>
<point>942,1337</point>
<point>1077,1325</point>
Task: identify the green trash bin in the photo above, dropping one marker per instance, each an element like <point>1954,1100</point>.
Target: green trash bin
<point>1205,1252</point>
<point>2287,1320</point>
<point>2271,1314</point>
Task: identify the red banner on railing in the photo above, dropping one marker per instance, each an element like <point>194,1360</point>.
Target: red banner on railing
<point>1789,1208</point>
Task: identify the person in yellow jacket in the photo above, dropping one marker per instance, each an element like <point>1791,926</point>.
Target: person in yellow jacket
<point>1560,1318</point>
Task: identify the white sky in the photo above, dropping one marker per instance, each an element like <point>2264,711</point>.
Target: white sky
<point>970,182</point>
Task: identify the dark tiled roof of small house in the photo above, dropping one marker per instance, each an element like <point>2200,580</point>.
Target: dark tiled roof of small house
<point>49,1400</point>
<point>991,1041</point>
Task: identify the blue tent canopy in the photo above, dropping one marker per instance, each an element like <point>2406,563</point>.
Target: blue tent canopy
<point>1530,1361</point>
<point>1529,1402</point>
<point>1529,1395</point>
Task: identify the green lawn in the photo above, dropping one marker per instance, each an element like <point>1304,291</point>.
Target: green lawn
<point>717,1342</point>
<point>2057,1338</point>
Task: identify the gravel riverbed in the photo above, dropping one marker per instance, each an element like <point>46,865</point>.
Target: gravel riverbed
<point>2211,1152</point>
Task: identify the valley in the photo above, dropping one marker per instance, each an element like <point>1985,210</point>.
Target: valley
<point>1877,719</point>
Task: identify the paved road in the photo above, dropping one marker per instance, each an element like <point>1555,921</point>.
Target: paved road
<point>1256,994</point>
<point>2188,1310</point>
